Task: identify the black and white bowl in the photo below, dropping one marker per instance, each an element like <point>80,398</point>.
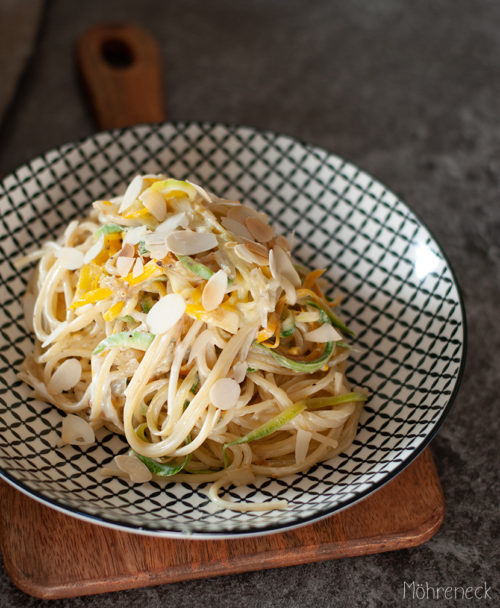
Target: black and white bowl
<point>400,297</point>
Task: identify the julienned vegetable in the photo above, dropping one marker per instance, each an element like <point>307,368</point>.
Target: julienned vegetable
<point>334,320</point>
<point>125,339</point>
<point>297,365</point>
<point>196,267</point>
<point>288,325</point>
<point>267,428</point>
<point>317,403</point>
<point>163,469</point>
<point>275,423</point>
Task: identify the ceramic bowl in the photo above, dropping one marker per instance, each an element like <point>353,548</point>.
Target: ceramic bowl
<point>400,298</point>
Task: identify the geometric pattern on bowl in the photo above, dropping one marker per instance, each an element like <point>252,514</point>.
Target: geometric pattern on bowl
<point>400,297</point>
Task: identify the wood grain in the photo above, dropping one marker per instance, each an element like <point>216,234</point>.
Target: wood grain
<point>121,72</point>
<point>51,555</point>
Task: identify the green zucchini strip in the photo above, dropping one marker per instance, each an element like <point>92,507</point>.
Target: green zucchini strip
<point>334,320</point>
<point>317,403</point>
<point>300,366</point>
<point>195,267</point>
<point>125,339</point>
<point>272,425</point>
<point>163,469</point>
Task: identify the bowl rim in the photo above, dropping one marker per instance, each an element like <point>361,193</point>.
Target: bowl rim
<point>120,525</point>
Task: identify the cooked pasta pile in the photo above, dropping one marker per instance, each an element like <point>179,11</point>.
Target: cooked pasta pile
<point>179,320</point>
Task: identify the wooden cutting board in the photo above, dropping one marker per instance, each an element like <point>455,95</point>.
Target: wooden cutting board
<point>51,555</point>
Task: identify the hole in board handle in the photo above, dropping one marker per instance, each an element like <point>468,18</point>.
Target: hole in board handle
<point>117,53</point>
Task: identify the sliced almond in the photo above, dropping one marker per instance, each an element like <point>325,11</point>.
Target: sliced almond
<point>66,376</point>
<point>236,228</point>
<point>76,431</point>
<point>94,251</point>
<point>138,268</point>
<point>257,249</point>
<point>155,204</point>
<point>281,265</point>
<point>131,193</point>
<point>135,469</point>
<point>127,251</point>
<point>188,242</point>
<point>243,251</point>
<point>171,223</point>
<point>323,333</point>
<point>134,235</point>
<point>165,313</point>
<point>158,252</point>
<point>240,371</point>
<point>70,258</point>
<point>201,191</point>
<point>214,290</point>
<point>281,241</point>
<point>124,265</point>
<point>240,213</point>
<point>225,393</point>
<point>261,231</point>
<point>291,294</point>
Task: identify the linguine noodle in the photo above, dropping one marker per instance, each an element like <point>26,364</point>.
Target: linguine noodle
<point>178,319</point>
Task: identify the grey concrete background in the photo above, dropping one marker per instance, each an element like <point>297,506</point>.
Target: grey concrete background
<point>410,92</point>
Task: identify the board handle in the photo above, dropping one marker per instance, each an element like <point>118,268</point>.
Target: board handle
<point>121,73</point>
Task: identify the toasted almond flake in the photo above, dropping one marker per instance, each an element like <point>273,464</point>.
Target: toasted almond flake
<point>123,265</point>
<point>138,268</point>
<point>135,469</point>
<point>171,223</point>
<point>134,235</point>
<point>131,193</point>
<point>187,242</point>
<point>66,376</point>
<point>165,313</point>
<point>76,431</point>
<point>214,290</point>
<point>225,393</point>
<point>156,243</point>
<point>155,204</point>
<point>281,266</point>
<point>70,258</point>
<point>239,213</point>
<point>158,252</point>
<point>239,371</point>
<point>94,251</point>
<point>261,231</point>
<point>127,251</point>
<point>257,249</point>
<point>236,228</point>
<point>201,191</point>
<point>323,333</point>
<point>243,252</point>
<point>291,294</point>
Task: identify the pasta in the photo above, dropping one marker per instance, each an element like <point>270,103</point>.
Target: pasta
<point>179,320</point>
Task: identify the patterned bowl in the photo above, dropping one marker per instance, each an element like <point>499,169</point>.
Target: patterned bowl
<point>400,297</point>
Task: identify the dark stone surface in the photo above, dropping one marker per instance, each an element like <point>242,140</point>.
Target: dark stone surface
<point>409,91</point>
